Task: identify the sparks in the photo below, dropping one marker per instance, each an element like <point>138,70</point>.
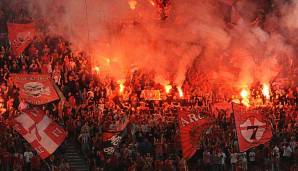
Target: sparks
<point>180,91</point>
<point>132,4</point>
<point>266,91</point>
<point>168,88</point>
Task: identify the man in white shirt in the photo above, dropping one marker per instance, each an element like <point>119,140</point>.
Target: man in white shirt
<point>28,156</point>
<point>276,158</point>
<point>252,160</point>
<point>222,157</point>
<point>233,160</point>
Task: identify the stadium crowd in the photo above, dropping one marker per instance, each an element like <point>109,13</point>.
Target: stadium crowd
<point>151,139</point>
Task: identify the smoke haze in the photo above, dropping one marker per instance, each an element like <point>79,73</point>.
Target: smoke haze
<point>195,30</point>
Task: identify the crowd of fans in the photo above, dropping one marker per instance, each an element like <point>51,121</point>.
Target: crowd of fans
<point>151,139</point>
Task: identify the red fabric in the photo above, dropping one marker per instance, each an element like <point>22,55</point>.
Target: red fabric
<point>252,128</point>
<point>44,135</point>
<point>35,89</point>
<point>20,36</point>
<point>192,126</point>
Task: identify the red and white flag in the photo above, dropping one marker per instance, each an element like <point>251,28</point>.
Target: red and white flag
<point>20,36</point>
<point>40,131</point>
<point>35,89</point>
<point>252,127</point>
<point>192,127</point>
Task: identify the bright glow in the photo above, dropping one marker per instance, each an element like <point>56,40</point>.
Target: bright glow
<point>180,91</point>
<point>132,4</point>
<point>121,86</point>
<point>168,88</point>
<point>266,91</point>
<point>245,97</point>
<point>96,69</point>
<point>152,2</point>
<point>244,93</point>
<point>108,60</point>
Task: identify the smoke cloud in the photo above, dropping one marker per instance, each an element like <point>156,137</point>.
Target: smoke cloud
<point>194,36</point>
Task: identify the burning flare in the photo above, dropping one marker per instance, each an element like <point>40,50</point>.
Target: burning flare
<point>132,4</point>
<point>180,91</point>
<point>151,2</point>
<point>266,91</point>
<point>121,86</point>
<point>96,69</point>
<point>245,97</point>
<point>168,88</point>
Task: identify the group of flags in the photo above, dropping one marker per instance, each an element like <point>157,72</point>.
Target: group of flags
<point>44,135</point>
<point>252,128</point>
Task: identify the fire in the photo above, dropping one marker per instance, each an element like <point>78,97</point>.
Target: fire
<point>132,4</point>
<point>266,91</point>
<point>245,97</point>
<point>121,86</point>
<point>168,88</point>
<point>152,2</point>
<point>180,91</point>
<point>96,69</point>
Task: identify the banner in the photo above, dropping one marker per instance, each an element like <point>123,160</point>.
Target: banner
<point>111,140</point>
<point>192,127</point>
<point>252,128</point>
<point>20,36</point>
<point>151,94</point>
<point>44,135</point>
<point>35,89</point>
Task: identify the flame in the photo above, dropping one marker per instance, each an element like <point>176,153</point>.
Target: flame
<point>168,88</point>
<point>245,97</point>
<point>132,4</point>
<point>96,69</point>
<point>180,91</point>
<point>266,91</point>
<point>152,2</point>
<point>121,86</point>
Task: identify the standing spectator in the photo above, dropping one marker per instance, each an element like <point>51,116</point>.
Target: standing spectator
<point>28,154</point>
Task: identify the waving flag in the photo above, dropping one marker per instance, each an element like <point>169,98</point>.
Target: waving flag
<point>252,128</point>
<point>44,135</point>
<point>35,89</point>
<point>20,36</point>
<point>192,127</point>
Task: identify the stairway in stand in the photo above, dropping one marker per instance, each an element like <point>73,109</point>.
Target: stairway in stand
<point>75,159</point>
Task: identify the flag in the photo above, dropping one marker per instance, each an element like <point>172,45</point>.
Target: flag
<point>35,89</point>
<point>20,36</point>
<point>192,127</point>
<point>252,128</point>
<point>112,139</point>
<point>44,135</point>
<point>151,94</point>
